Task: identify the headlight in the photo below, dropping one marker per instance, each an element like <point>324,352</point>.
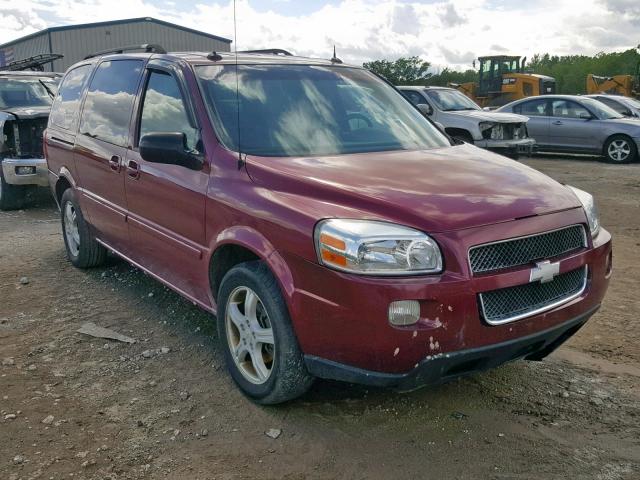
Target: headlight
<point>590,209</point>
<point>485,126</point>
<point>376,248</point>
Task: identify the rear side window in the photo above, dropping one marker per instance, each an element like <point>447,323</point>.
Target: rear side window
<point>164,110</point>
<point>534,108</point>
<point>107,108</point>
<point>65,109</point>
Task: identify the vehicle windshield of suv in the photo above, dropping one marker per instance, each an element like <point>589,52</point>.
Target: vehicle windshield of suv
<point>16,92</point>
<point>302,110</point>
<point>451,100</point>
<point>602,111</point>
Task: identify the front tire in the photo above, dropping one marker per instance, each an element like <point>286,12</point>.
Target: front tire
<point>620,149</point>
<point>12,197</point>
<point>260,348</point>
<point>82,249</point>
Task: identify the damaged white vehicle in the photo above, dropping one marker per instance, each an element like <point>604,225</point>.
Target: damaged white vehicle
<point>25,102</point>
<point>464,120</point>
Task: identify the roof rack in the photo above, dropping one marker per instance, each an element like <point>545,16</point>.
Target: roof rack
<point>146,47</point>
<point>35,63</point>
<point>270,51</point>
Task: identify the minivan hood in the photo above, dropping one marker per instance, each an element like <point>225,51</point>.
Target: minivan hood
<point>436,190</point>
<point>485,116</point>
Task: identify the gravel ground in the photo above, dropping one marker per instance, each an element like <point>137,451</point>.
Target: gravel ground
<point>72,406</point>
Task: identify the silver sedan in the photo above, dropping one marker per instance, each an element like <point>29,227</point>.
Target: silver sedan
<point>575,124</point>
<point>625,106</point>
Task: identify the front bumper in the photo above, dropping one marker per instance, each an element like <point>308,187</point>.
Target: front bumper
<point>343,318</point>
<point>39,177</point>
<point>442,368</point>
<point>524,146</point>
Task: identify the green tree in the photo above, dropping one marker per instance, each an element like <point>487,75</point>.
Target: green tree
<point>403,71</point>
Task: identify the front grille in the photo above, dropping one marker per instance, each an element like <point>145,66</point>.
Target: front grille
<point>526,250</point>
<point>513,303</point>
<point>24,137</point>
<point>505,131</point>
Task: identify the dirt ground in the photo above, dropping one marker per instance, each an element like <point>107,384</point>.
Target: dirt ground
<point>72,406</point>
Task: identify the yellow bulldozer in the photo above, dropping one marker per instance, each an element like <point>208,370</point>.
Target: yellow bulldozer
<point>502,79</point>
<point>627,85</point>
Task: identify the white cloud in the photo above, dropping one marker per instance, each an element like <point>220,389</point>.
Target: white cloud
<point>446,33</point>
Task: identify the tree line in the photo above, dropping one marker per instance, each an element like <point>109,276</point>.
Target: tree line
<point>570,71</point>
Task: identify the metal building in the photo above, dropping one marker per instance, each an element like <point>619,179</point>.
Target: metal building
<point>77,41</point>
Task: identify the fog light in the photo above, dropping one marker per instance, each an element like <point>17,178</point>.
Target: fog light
<point>404,312</point>
<point>25,170</point>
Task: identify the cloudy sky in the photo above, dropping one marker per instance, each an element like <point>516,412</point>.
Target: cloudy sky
<point>446,33</point>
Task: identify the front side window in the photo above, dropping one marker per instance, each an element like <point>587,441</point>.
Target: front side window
<point>414,97</point>
<point>301,110</point>
<point>617,106</point>
<point>107,108</point>
<point>568,109</point>
<point>164,110</point>
<point>65,109</point>
<point>534,108</point>
<point>451,100</point>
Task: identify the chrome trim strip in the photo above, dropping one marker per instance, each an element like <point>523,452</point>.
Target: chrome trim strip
<point>585,244</point>
<point>540,310</point>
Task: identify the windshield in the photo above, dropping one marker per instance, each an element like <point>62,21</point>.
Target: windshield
<point>602,111</point>
<point>451,100</point>
<point>18,92</point>
<point>302,110</point>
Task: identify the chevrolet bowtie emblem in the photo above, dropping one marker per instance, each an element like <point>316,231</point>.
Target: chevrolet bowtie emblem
<point>544,271</point>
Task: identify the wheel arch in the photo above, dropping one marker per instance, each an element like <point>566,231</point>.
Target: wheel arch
<point>240,244</point>
<point>65,181</point>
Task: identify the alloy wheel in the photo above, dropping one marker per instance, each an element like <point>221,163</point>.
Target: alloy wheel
<point>250,335</point>
<point>71,232</point>
<point>619,150</point>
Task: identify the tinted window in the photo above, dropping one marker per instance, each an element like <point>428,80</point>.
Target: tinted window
<point>568,109</point>
<point>534,108</point>
<point>163,109</point>
<point>414,97</point>
<point>107,108</point>
<point>65,110</point>
<point>296,110</point>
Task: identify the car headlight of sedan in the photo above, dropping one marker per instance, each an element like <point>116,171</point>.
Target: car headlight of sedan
<point>590,209</point>
<point>370,247</point>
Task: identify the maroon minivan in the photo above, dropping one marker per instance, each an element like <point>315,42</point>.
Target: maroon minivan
<point>332,229</point>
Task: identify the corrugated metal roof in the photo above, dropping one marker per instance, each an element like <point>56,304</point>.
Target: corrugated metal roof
<point>115,22</point>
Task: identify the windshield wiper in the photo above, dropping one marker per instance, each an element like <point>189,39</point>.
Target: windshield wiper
<point>49,91</point>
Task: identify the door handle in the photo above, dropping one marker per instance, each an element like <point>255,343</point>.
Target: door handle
<point>133,169</point>
<point>114,163</point>
<point>558,122</point>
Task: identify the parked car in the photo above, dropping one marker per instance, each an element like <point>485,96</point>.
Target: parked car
<point>25,100</point>
<point>625,106</point>
<point>577,124</point>
<point>362,247</point>
<point>464,120</point>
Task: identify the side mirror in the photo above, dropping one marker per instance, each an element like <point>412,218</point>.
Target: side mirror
<point>169,148</point>
<point>585,116</point>
<point>425,109</point>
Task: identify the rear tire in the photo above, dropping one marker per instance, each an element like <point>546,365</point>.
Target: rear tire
<point>82,249</point>
<point>260,348</point>
<point>12,197</point>
<point>620,149</point>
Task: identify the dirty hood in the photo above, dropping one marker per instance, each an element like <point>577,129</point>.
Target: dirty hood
<point>438,190</point>
<point>485,116</point>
